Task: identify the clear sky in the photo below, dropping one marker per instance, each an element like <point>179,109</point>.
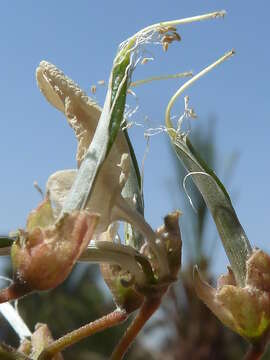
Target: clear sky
<point>81,37</point>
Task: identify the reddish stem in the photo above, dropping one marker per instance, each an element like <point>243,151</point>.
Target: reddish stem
<point>145,312</point>
<point>107,321</point>
<point>13,292</point>
<point>254,353</point>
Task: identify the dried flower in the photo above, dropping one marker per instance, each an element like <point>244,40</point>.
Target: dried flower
<point>245,310</point>
<point>44,254</point>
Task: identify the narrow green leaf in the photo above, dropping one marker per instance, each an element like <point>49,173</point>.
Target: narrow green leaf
<point>118,98</point>
<point>233,237</point>
<point>133,188</point>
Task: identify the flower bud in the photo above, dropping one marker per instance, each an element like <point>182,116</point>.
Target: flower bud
<point>127,291</point>
<point>45,253</point>
<point>245,310</point>
<point>171,237</point>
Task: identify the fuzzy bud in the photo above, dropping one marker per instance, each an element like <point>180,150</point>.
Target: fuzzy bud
<point>245,310</point>
<point>46,252</point>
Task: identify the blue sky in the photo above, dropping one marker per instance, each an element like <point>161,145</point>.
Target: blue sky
<point>81,38</point>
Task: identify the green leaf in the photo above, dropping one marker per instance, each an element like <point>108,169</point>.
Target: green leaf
<point>133,185</point>
<point>104,137</point>
<point>233,237</point>
<point>133,188</point>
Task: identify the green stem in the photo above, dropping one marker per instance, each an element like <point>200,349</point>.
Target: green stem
<point>187,84</point>
<point>106,322</point>
<point>145,312</point>
<point>161,77</point>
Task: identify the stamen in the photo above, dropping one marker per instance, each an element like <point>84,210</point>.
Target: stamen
<point>38,188</point>
<point>151,34</point>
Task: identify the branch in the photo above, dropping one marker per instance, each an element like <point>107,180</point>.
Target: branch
<point>145,312</point>
<point>107,321</point>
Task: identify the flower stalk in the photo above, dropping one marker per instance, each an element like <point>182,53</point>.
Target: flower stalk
<point>106,322</point>
<point>148,308</point>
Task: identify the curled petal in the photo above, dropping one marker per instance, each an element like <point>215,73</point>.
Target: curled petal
<point>80,110</point>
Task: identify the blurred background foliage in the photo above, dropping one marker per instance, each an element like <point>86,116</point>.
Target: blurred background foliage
<point>184,328</point>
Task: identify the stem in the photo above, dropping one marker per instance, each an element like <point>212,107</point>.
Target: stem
<point>13,292</point>
<point>254,353</point>
<point>145,312</point>
<point>168,121</point>
<point>161,77</point>
<point>107,321</point>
